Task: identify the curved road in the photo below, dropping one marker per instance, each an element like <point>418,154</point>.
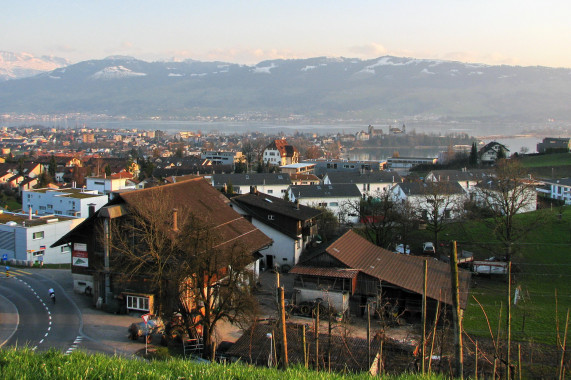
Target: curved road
<point>41,323</point>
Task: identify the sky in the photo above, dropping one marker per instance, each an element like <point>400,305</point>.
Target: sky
<point>526,33</point>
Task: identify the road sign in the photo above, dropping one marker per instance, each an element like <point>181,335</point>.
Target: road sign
<point>146,317</point>
<point>5,257</point>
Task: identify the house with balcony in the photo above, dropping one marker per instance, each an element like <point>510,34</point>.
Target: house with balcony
<point>370,184</point>
<point>290,225</point>
<point>333,197</point>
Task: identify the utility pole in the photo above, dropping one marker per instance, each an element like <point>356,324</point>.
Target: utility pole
<point>284,329</point>
<point>509,319</point>
<point>423,338</point>
<point>457,313</point>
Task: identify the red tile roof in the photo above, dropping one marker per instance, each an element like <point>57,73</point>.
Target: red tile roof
<point>401,270</point>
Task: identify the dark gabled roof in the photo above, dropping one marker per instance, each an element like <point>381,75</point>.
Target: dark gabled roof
<point>251,179</point>
<point>277,206</point>
<point>426,188</point>
<point>461,175</point>
<point>401,270</point>
<point>200,198</point>
<point>356,177</point>
<point>325,191</point>
<point>490,145</point>
<point>325,272</point>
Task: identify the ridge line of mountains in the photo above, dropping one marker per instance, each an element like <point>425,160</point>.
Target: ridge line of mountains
<point>316,89</point>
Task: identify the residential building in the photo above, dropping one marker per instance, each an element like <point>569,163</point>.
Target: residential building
<point>559,189</point>
<point>275,184</point>
<point>333,197</point>
<point>280,153</point>
<point>67,202</point>
<point>91,255</point>
<point>107,184</point>
<point>298,168</point>
<point>304,179</point>
<point>426,197</point>
<point>403,164</point>
<point>327,166</point>
<point>554,144</point>
<point>290,225</point>
<point>28,238</point>
<point>520,195</point>
<point>223,157</point>
<point>370,184</point>
<point>488,154</point>
<point>467,178</point>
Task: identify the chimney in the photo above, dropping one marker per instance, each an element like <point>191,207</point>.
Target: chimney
<point>91,209</point>
<point>297,204</point>
<point>30,213</point>
<point>175,220</point>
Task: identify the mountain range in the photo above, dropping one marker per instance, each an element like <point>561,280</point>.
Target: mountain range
<point>320,88</point>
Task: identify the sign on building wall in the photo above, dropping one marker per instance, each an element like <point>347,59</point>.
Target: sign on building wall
<point>79,255</point>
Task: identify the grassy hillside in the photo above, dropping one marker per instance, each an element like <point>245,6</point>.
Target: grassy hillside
<point>25,364</point>
<point>541,267</point>
<point>555,165</point>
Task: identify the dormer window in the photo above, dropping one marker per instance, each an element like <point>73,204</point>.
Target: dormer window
<point>270,217</point>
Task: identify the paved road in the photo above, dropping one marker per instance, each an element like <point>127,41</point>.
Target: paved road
<point>40,323</point>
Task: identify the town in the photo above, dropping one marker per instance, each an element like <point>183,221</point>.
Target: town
<point>306,255</point>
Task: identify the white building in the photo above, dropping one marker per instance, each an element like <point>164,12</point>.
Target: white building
<point>559,189</point>
<point>371,184</point>
<point>275,184</point>
<point>427,198</point>
<point>108,184</point>
<point>67,202</point>
<point>223,158</point>
<point>27,238</point>
<point>336,198</point>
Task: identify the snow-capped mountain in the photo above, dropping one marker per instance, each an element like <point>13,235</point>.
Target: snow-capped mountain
<point>319,88</point>
<point>22,65</point>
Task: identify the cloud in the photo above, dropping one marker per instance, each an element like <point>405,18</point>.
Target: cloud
<point>371,50</point>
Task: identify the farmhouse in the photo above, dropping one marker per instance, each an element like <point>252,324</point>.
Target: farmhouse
<point>92,251</point>
<point>353,272</point>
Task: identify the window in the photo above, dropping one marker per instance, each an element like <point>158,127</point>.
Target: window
<point>270,191</point>
<point>57,212</point>
<point>38,235</point>
<point>38,253</point>
<point>138,303</point>
<point>42,208</point>
<point>270,217</point>
<point>65,249</point>
<point>50,207</point>
<point>333,204</point>
<point>323,204</point>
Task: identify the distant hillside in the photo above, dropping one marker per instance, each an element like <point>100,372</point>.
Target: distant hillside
<point>317,88</point>
<point>22,65</point>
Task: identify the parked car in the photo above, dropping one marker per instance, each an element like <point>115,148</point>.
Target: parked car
<point>428,248</point>
<point>400,249</point>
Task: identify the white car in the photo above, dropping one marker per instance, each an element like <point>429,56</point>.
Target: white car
<point>428,248</point>
<point>400,249</point>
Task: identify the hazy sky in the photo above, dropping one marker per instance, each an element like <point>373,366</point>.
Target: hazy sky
<point>488,31</point>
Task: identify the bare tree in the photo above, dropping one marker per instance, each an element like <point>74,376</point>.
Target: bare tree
<point>184,262</point>
<point>438,203</point>
<point>508,194</point>
<point>378,216</point>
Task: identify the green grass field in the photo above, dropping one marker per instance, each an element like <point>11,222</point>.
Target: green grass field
<point>25,364</point>
<point>546,160</point>
<point>541,267</point>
